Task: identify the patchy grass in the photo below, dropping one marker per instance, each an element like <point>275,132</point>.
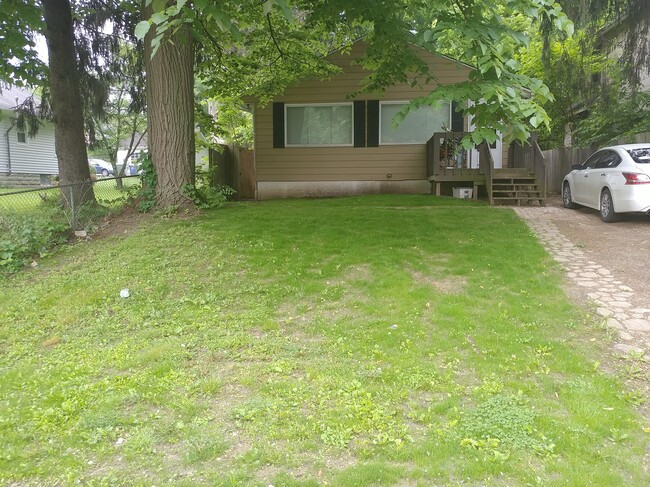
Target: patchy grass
<point>357,341</point>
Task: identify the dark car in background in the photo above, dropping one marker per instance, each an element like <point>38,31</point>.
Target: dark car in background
<point>101,167</point>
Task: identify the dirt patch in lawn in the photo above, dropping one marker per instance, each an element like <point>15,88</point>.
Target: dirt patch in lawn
<point>445,285</point>
<point>120,224</point>
<point>349,287</point>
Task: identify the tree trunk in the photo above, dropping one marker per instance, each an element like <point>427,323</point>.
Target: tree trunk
<point>170,113</point>
<point>70,141</point>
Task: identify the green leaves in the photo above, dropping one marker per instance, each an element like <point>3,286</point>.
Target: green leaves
<point>19,62</point>
<point>142,28</point>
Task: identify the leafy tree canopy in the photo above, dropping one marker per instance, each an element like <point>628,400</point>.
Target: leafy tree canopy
<point>248,48</point>
<point>629,19</point>
<point>596,93</point>
<point>20,20</point>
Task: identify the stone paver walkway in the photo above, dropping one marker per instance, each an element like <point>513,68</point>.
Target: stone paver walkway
<point>612,297</point>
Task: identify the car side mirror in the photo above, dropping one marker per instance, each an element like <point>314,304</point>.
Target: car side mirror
<point>576,167</point>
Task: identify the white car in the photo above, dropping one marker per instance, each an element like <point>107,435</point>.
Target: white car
<point>613,180</point>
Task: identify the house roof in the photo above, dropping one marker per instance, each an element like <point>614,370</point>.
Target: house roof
<point>126,142</point>
<point>12,96</point>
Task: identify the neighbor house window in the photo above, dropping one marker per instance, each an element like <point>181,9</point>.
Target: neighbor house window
<point>418,126</point>
<point>22,137</point>
<point>319,124</point>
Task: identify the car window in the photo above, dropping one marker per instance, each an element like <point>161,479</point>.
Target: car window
<point>641,155</point>
<point>608,160</point>
<point>593,160</point>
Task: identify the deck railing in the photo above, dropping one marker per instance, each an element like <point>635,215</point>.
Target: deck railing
<point>445,153</point>
<point>448,161</point>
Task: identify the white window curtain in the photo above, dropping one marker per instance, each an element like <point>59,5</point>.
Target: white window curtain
<point>319,124</point>
<point>418,126</point>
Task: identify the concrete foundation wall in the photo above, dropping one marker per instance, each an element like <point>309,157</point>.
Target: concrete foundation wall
<point>18,180</point>
<point>318,189</point>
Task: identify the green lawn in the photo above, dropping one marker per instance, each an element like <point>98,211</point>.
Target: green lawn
<point>358,341</point>
<point>106,192</point>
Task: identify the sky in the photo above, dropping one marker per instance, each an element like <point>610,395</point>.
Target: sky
<point>41,48</point>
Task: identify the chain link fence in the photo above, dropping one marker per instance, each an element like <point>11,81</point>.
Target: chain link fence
<point>34,221</point>
<point>69,199</point>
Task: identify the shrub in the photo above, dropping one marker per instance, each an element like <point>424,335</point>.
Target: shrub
<point>204,194</point>
<point>25,237</point>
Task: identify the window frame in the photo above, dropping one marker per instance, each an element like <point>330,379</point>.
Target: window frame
<point>302,105</point>
<point>24,134</point>
<point>405,102</point>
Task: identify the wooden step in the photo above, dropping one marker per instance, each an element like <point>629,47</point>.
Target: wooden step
<point>515,186</point>
<point>522,187</point>
<point>511,172</point>
<point>515,181</point>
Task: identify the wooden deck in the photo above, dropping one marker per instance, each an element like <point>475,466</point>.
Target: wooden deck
<point>448,162</point>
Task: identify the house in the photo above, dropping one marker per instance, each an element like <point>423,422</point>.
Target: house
<point>24,161</point>
<point>130,151</point>
<point>314,140</point>
<point>611,41</point>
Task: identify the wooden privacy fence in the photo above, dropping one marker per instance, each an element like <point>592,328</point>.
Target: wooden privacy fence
<point>558,164</point>
<point>235,168</point>
<point>558,161</point>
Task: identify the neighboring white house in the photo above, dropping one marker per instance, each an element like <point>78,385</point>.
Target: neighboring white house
<point>201,158</point>
<point>24,161</point>
<point>140,140</point>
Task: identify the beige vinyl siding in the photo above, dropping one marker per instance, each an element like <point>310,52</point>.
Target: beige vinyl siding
<point>387,162</point>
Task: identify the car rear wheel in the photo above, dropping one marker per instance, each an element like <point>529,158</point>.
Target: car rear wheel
<point>607,213</point>
<point>567,199</point>
<point>105,172</point>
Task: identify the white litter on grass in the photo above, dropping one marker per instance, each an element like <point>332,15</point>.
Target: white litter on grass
<point>392,327</point>
<point>80,233</point>
<point>124,293</point>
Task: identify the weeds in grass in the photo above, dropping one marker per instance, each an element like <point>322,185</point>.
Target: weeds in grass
<point>292,343</point>
<point>25,237</point>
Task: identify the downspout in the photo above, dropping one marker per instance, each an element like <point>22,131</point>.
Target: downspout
<point>8,151</point>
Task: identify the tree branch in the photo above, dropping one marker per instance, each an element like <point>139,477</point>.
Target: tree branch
<point>275,41</point>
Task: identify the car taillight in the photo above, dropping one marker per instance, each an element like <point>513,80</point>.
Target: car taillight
<point>636,178</point>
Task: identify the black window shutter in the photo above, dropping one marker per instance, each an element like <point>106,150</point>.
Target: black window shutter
<point>457,122</point>
<point>359,123</point>
<point>373,123</point>
<point>278,125</point>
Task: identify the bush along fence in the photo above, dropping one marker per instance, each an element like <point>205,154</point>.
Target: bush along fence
<point>34,221</point>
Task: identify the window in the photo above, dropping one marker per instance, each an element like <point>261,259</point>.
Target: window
<point>608,160</point>
<point>418,126</point>
<point>593,160</point>
<point>22,137</point>
<point>320,124</point>
<point>640,156</point>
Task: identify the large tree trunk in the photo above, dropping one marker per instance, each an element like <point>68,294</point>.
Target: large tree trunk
<point>70,141</point>
<point>170,113</point>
